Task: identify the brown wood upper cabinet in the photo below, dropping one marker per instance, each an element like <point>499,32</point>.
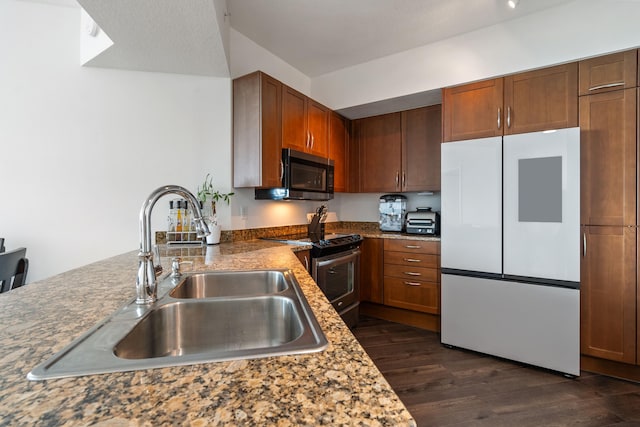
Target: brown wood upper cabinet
<point>338,146</point>
<point>305,123</point>
<point>473,110</point>
<point>609,72</point>
<point>608,158</point>
<point>526,102</point>
<point>400,151</point>
<point>421,141</point>
<point>257,137</point>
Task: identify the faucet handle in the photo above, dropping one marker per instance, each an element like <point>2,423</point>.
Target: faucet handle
<point>175,267</point>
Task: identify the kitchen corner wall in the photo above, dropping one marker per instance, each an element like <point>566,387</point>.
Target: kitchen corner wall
<point>82,148</point>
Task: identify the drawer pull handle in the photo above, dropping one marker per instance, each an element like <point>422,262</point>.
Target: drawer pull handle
<point>411,273</point>
<point>412,260</point>
<point>606,86</point>
<point>413,246</point>
<point>412,283</point>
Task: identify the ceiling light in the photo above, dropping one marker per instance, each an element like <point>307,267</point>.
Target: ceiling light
<point>513,3</point>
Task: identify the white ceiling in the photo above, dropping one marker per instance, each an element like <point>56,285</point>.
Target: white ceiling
<point>318,37</point>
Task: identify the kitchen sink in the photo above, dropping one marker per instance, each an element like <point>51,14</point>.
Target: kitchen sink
<point>222,284</point>
<point>221,326</point>
<point>200,318</point>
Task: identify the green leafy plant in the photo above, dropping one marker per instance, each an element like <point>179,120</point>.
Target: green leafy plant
<point>206,192</point>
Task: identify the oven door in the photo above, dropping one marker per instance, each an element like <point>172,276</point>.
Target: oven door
<point>338,277</point>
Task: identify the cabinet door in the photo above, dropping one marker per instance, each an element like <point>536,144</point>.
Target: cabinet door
<point>608,293</point>
<point>338,139</point>
<point>541,100</point>
<point>294,116</point>
<point>271,132</point>
<point>318,128</point>
<point>473,110</point>
<point>304,257</point>
<point>421,140</point>
<point>608,158</point>
<point>609,72</point>
<point>371,270</point>
<point>257,113</point>
<point>380,151</point>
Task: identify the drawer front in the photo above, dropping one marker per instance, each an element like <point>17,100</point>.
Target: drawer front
<point>412,273</point>
<point>412,259</point>
<point>412,295</point>
<point>421,246</point>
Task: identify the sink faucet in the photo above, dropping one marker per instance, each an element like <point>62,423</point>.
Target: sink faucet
<point>146,282</point>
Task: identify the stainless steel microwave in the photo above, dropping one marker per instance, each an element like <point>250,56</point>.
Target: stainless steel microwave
<point>303,176</point>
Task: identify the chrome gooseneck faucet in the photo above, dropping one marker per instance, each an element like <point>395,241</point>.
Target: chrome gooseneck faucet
<point>146,282</point>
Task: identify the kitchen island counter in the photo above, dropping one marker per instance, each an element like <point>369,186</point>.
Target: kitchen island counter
<point>338,386</point>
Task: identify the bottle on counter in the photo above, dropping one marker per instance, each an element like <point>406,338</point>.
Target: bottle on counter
<point>171,219</point>
<point>179,216</point>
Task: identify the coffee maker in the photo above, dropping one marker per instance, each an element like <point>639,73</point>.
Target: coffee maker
<point>393,208</point>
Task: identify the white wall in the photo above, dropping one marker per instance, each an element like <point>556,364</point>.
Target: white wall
<point>247,57</point>
<point>81,148</point>
<point>575,30</point>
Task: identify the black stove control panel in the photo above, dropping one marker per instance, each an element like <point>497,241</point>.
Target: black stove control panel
<point>339,241</point>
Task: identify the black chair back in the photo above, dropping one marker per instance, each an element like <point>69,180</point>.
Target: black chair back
<point>13,269</point>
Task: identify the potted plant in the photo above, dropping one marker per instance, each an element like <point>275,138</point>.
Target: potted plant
<point>208,196</point>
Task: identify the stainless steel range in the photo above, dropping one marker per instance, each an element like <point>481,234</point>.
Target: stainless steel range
<point>335,266</point>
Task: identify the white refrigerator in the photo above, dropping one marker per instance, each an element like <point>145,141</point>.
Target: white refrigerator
<point>510,249</point>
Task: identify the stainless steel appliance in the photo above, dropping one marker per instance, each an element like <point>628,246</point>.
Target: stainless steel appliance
<point>393,208</point>
<point>335,266</point>
<point>510,247</point>
<point>423,221</point>
<point>304,177</point>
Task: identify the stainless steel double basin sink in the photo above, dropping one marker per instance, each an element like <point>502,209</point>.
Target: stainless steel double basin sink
<point>202,317</point>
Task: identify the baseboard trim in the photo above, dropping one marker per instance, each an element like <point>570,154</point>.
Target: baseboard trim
<point>610,368</point>
<point>430,322</point>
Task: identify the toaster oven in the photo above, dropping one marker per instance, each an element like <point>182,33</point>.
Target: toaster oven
<point>423,221</point>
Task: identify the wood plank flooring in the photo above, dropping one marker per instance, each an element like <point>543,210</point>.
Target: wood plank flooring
<point>453,387</point>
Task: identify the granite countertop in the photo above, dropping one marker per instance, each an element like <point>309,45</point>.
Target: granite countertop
<point>338,386</point>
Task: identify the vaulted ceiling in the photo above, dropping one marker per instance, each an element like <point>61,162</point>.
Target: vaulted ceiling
<point>316,37</point>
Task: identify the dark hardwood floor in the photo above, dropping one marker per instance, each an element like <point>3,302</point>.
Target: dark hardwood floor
<point>452,387</point>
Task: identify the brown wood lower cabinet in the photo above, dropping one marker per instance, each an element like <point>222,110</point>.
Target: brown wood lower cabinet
<point>608,293</point>
<point>371,270</point>
<point>400,281</point>
<point>411,277</point>
<point>305,258</point>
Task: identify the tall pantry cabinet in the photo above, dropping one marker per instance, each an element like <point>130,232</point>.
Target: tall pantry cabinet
<point>608,114</point>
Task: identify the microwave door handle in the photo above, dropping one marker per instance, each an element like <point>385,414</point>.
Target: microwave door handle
<point>281,170</point>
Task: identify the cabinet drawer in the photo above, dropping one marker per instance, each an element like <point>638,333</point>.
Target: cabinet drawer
<point>410,272</point>
<point>411,259</point>
<point>405,245</point>
<point>412,294</point>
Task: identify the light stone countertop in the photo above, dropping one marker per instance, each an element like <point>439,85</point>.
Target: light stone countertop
<point>338,386</point>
